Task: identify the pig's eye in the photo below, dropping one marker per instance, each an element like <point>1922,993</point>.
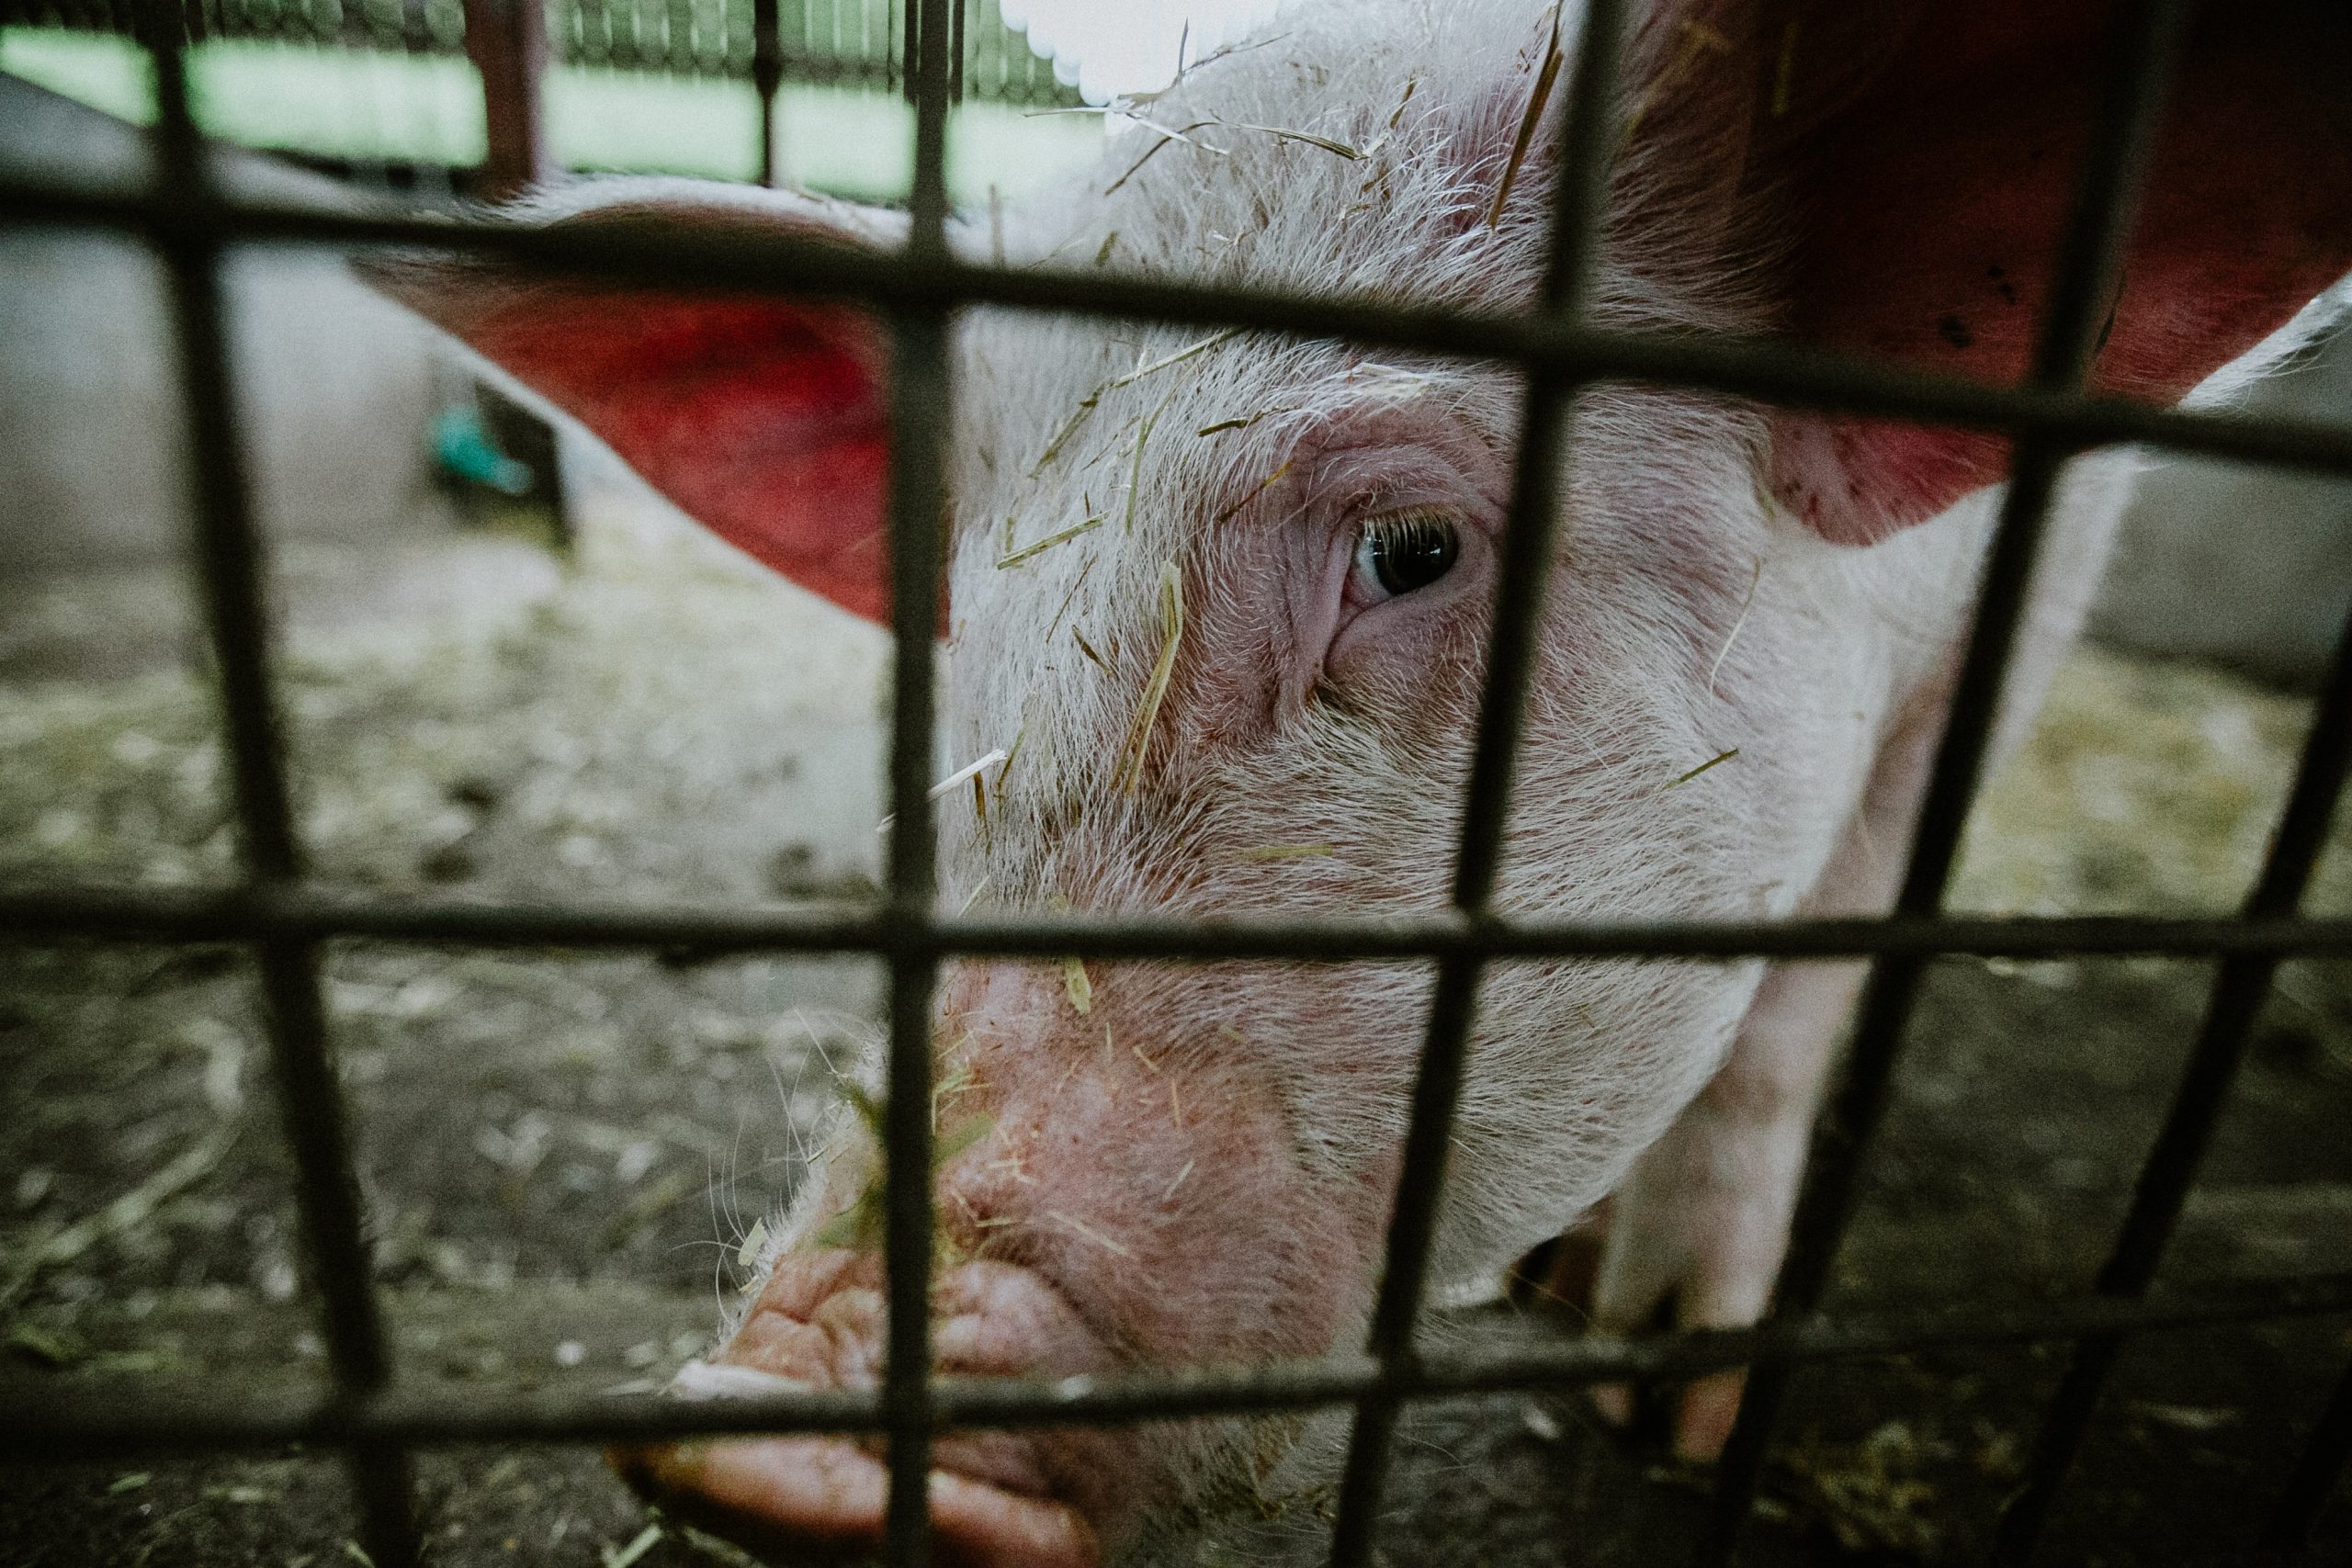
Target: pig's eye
<point>1397,552</point>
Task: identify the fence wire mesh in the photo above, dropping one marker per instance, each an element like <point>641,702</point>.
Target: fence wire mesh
<point>285,920</point>
<point>847,43</point>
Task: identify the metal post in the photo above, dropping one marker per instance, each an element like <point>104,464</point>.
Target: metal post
<point>507,40</point>
<point>955,18</point>
<point>767,80</point>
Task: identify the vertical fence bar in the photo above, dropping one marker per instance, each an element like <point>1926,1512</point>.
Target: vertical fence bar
<point>230,572</point>
<point>2163,1187</point>
<point>910,46</point>
<point>2292,1518</point>
<point>1587,141</point>
<point>767,80</point>
<point>921,409</point>
<point>508,42</point>
<point>2088,274</point>
<point>957,12</point>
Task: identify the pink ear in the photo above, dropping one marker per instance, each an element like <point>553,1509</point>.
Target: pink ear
<point>763,418</point>
<point>1929,205</point>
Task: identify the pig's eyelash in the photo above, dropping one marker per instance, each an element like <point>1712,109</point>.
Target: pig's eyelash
<point>1403,550</point>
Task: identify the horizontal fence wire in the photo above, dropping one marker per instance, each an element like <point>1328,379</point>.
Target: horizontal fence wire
<point>848,43</point>
<point>173,1416</point>
<point>917,289</point>
<point>2088,274</point>
<point>698,933</point>
<point>1780,373</point>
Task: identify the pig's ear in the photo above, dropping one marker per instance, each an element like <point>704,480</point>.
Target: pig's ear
<point>763,418</point>
<point>1927,188</point>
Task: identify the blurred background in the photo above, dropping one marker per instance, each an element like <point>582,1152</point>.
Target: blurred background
<point>510,671</point>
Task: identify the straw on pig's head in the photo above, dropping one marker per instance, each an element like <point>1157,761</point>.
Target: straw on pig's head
<point>1222,599</point>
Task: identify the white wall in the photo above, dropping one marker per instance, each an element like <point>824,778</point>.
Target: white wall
<point>337,384</point>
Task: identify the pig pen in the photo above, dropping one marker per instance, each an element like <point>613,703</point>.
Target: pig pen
<point>567,1158</point>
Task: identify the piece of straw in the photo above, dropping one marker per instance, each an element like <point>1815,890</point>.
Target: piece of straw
<point>1177,357</point>
<point>1536,100</point>
<point>1166,136</point>
<point>1744,605</point>
<point>1243,424</point>
<point>1087,405</point>
<point>1069,428</point>
<point>1255,491</point>
<point>973,898</point>
<point>1018,737</point>
<point>1089,1232</point>
<point>1398,112</point>
<point>1286,134</point>
<point>968,771</point>
<point>1059,536</point>
<point>938,791</point>
<point>1714,760</point>
<point>1083,573</point>
<point>1171,618</point>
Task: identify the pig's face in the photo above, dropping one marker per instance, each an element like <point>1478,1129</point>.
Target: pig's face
<point>1334,568</point>
<point>1224,602</point>
<point>1200,1162</point>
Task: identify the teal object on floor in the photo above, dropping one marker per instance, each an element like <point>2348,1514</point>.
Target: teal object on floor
<point>463,448</point>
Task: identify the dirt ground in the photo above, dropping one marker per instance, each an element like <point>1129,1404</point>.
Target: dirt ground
<point>561,1155</point>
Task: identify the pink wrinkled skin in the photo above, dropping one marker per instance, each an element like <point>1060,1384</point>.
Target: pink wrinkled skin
<point>1747,646</point>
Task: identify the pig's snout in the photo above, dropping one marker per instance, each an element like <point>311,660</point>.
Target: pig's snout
<point>997,1500</point>
<point>1024,1104</point>
<point>1118,1187</point>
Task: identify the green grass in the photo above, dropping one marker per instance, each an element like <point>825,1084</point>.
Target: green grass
<point>423,108</point>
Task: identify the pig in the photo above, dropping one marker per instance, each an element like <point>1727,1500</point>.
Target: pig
<point>1223,601</point>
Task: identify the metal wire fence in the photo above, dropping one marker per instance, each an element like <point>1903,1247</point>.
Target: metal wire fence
<point>847,43</point>
<point>2049,417</point>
